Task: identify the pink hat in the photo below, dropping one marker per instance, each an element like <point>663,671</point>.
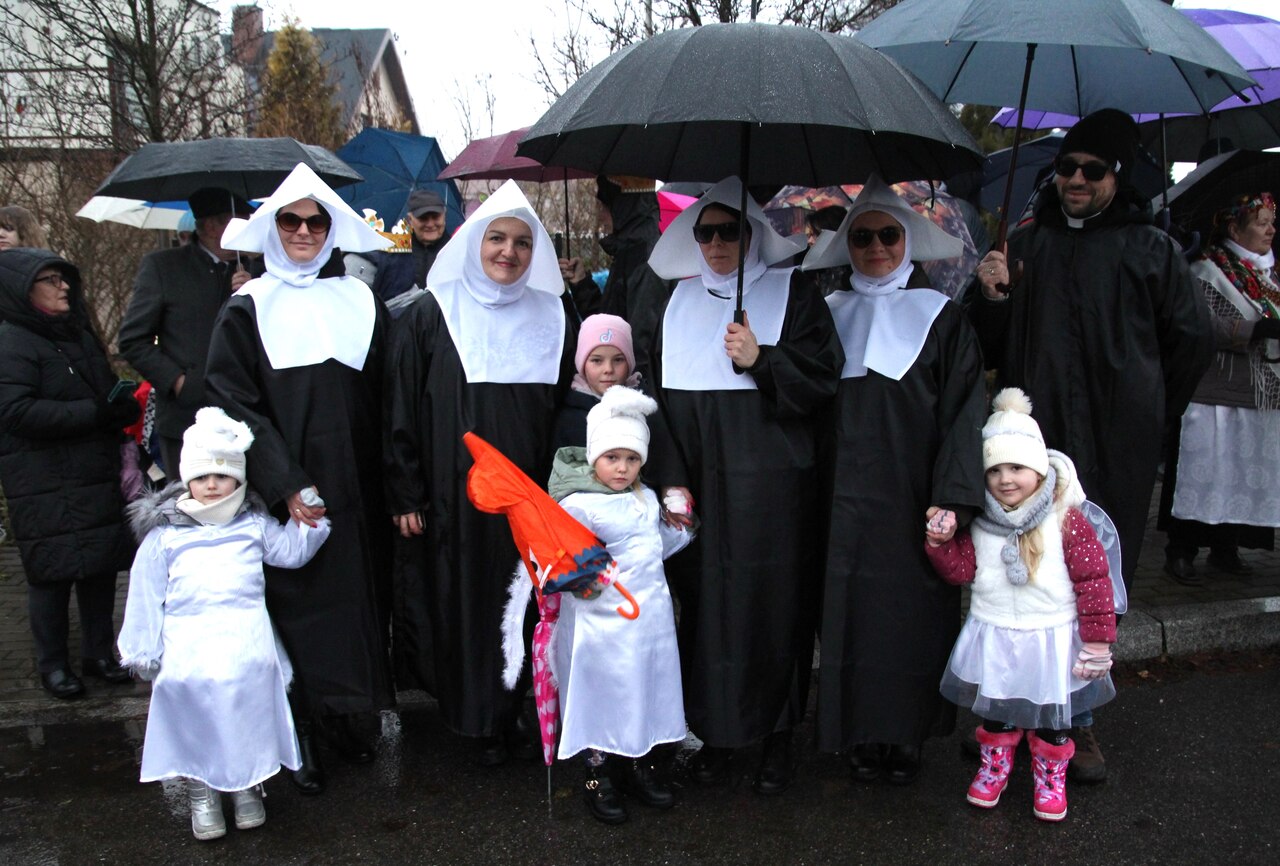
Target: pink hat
<point>604,330</point>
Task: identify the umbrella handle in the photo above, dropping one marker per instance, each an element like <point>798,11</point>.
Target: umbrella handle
<point>634,612</point>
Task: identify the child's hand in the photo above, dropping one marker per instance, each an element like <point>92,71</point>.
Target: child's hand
<point>1093,662</point>
<point>677,507</point>
<point>940,526</point>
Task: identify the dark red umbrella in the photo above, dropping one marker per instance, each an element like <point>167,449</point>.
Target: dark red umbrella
<point>494,158</point>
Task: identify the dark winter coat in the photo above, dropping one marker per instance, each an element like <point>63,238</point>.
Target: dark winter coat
<point>165,332</point>
<point>633,291</point>
<point>59,453</point>
<point>1108,335</point>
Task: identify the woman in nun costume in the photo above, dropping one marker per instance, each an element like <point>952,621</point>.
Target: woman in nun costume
<point>905,441</point>
<point>488,349</point>
<point>744,445</point>
<point>297,354</point>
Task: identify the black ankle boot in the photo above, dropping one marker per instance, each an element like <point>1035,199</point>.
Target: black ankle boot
<point>866,761</point>
<point>774,775</point>
<point>711,765</point>
<point>638,778</point>
<point>309,778</point>
<point>348,737</point>
<point>903,764</point>
<point>602,799</point>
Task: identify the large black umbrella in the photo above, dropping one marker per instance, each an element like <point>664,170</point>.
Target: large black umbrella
<point>1077,57</point>
<point>801,106</point>
<point>1217,181</point>
<point>248,167</point>
<point>771,104</point>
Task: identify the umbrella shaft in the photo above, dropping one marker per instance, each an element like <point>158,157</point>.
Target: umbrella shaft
<point>1003,228</point>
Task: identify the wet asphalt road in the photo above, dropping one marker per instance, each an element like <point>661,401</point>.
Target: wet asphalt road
<point>1194,756</point>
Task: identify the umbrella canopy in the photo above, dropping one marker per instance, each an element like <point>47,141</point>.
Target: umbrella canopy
<point>797,105</point>
<point>670,206</point>
<point>394,164</point>
<point>1254,41</point>
<point>1216,181</point>
<point>494,158</point>
<point>248,167</point>
<point>1135,55</point>
<point>132,212</point>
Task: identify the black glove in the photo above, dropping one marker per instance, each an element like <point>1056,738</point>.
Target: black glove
<point>119,413</point>
<point>1265,329</point>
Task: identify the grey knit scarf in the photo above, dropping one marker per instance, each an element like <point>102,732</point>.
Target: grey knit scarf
<point>1013,524</point>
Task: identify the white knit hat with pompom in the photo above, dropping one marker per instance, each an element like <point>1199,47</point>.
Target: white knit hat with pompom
<point>214,445</point>
<point>617,421</point>
<point>1011,435</point>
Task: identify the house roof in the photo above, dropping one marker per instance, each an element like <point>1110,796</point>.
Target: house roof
<point>352,57</point>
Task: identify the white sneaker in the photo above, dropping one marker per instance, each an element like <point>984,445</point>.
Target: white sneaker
<point>206,811</point>
<point>250,812</point>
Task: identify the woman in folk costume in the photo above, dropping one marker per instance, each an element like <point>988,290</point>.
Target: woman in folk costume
<point>488,349</point>
<point>745,445</point>
<point>904,439</point>
<point>1220,481</point>
<point>297,354</point>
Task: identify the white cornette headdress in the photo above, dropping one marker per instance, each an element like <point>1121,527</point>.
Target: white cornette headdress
<point>617,421</point>
<point>214,445</point>
<point>1011,435</point>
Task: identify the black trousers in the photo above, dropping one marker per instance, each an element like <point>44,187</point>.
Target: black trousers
<point>47,606</point>
<point>170,454</point>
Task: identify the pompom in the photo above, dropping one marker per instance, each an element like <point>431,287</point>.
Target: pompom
<point>620,400</point>
<point>217,432</point>
<point>1012,400</point>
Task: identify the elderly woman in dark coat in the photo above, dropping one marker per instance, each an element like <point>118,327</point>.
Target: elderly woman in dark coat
<point>60,434</point>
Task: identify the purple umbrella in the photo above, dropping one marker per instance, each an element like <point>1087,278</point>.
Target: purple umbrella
<point>494,158</point>
<point>1254,41</point>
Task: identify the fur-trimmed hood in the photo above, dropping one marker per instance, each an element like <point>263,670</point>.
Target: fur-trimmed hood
<point>160,508</point>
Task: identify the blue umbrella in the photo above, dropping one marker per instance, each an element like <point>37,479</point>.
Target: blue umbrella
<point>1078,57</point>
<point>394,164</point>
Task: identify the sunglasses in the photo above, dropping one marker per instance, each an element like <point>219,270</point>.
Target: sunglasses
<point>729,232</point>
<point>1092,171</point>
<point>888,235</point>
<point>317,224</point>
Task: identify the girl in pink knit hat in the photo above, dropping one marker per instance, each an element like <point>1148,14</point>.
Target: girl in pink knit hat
<point>604,358</point>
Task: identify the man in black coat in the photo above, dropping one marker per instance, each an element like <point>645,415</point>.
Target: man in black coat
<point>176,298</point>
<point>1103,329</point>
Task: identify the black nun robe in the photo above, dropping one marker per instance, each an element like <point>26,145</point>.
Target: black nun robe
<point>316,420</point>
<point>451,582</point>
<point>899,443</point>
<point>748,587</point>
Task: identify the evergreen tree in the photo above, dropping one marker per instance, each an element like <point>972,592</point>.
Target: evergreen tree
<point>298,97</point>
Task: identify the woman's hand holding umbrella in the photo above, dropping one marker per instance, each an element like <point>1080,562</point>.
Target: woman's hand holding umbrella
<point>740,343</point>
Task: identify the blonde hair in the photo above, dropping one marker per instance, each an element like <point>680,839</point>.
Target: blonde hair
<point>19,219</point>
<point>1031,542</point>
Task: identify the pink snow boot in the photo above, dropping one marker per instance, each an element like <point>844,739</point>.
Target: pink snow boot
<point>1049,768</point>
<point>996,751</point>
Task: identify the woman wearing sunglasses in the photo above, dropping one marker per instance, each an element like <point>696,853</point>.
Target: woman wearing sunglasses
<point>905,445</point>
<point>744,443</point>
<point>297,354</point>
